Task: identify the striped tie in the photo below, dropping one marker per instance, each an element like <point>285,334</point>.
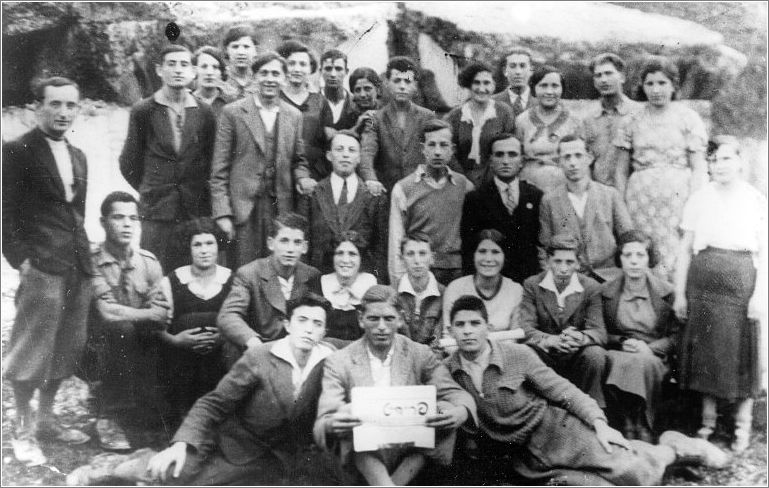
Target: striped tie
<point>510,202</point>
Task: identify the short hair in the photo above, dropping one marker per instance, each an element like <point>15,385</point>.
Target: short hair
<point>350,236</point>
<point>172,48</point>
<point>723,140</point>
<point>503,136</point>
<point>367,73</point>
<point>516,50</point>
<point>380,294</point>
<point>114,197</point>
<point>469,72</point>
<point>492,235</point>
<point>291,46</point>
<point>471,303</point>
<point>562,242</point>
<point>55,81</point>
<point>636,236</point>
<point>344,132</point>
<point>403,64</point>
<point>605,58</point>
<point>236,32</point>
<point>571,138</point>
<point>308,299</point>
<point>540,73</point>
<point>290,220</point>
<point>211,51</point>
<point>655,64</point>
<point>201,225</point>
<point>267,57</point>
<point>333,54</point>
<point>415,237</point>
<point>433,125</point>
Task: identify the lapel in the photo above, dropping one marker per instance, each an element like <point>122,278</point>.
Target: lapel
<point>658,290</point>
<point>282,125</point>
<point>271,286</point>
<point>494,202</point>
<point>611,293</point>
<point>399,368</point>
<point>161,123</point>
<point>572,303</point>
<point>254,121</point>
<point>569,213</point>
<point>392,125</point>
<point>280,379</point>
<point>43,153</point>
<point>361,370</point>
<point>189,131</point>
<point>301,276</point>
<point>550,302</point>
<point>325,198</point>
<point>79,172</point>
<point>354,208</point>
<point>591,208</point>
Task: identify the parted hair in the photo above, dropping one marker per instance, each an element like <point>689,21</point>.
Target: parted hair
<point>469,72</point>
<point>333,54</point>
<point>502,136</point>
<point>267,57</point>
<point>291,220</point>
<point>433,125</point>
<point>172,48</point>
<point>604,58</point>
<point>634,235</point>
<point>236,32</point>
<point>660,64</point>
<point>380,294</point>
<point>291,46</point>
<point>201,225</point>
<point>540,73</point>
<point>211,51</point>
<point>415,237</point>
<point>308,299</point>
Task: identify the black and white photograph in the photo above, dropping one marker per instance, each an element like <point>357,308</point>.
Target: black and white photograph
<point>427,243</point>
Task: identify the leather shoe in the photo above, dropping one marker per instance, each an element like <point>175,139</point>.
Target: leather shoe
<point>111,436</point>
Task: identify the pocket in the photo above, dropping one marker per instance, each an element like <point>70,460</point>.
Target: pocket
<point>512,396</point>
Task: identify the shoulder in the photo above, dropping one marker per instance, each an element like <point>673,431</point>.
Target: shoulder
<point>529,189</point>
<point>554,195</point>
<point>423,112</point>
<point>602,189</point>
<point>503,109</point>
<point>460,284</point>
<point>532,282</point>
<point>25,141</point>
<point>144,105</point>
<point>309,272</point>
<point>290,110</point>
<point>255,268</point>
<point>147,255</point>
<point>589,284</point>
<point>511,286</point>
<point>613,287</point>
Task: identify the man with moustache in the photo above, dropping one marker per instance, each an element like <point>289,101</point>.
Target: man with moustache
<point>518,70</point>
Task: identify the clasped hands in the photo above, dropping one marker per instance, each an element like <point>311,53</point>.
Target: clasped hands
<point>451,417</point>
<point>568,341</point>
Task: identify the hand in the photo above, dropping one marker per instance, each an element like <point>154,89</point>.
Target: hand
<point>608,436</point>
<point>637,346</point>
<point>158,315</point>
<point>160,462</point>
<point>681,307</point>
<point>342,421</point>
<point>555,343</point>
<point>376,188</point>
<point>306,186</point>
<point>757,307</point>
<point>227,226</point>
<point>195,340</point>
<point>450,418</point>
<point>573,336</point>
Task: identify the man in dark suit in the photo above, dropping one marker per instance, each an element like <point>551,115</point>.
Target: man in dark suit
<point>508,205</point>
<point>516,66</point>
<point>44,190</point>
<point>167,155</point>
<point>259,416</point>
<point>258,160</point>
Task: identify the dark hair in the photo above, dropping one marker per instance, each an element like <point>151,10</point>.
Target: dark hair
<point>469,72</point>
<point>333,54</point>
<point>433,125</point>
<point>403,64</point>
<point>492,235</point>
<point>503,136</point>
<point>201,225</point>
<point>290,47</point>
<point>290,220</point>
<point>471,303</point>
<point>541,73</point>
<point>604,58</point>
<point>236,32</point>
<point>267,57</point>
<point>364,73</point>
<point>636,236</point>
<point>211,51</point>
<point>344,132</point>
<point>114,197</point>
<point>380,294</point>
<point>350,236</point>
<point>723,140</point>
<point>172,48</point>
<point>515,50</point>
<point>415,237</point>
<point>571,138</point>
<point>55,81</point>
<point>308,299</point>
<point>656,64</point>
<point>562,242</point>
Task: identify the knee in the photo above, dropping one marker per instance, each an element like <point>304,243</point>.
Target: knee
<point>592,358</point>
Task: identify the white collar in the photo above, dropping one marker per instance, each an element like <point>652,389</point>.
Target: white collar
<point>388,359</point>
<point>336,186</point>
<point>405,286</point>
<point>504,186</point>
<point>282,349</point>
<point>574,286</point>
<point>185,274</point>
<point>489,113</point>
<point>275,108</point>
<point>160,97</point>
<point>331,286</point>
<point>421,173</point>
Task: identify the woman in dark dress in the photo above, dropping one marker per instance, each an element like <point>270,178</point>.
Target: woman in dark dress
<point>190,363</point>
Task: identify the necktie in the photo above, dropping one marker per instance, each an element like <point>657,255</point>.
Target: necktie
<point>518,106</point>
<point>343,194</point>
<point>510,202</point>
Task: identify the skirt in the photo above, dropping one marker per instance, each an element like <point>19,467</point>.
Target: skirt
<point>637,374</point>
<point>719,352</point>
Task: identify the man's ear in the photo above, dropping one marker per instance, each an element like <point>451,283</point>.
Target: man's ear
<point>271,243</point>
<point>158,69</point>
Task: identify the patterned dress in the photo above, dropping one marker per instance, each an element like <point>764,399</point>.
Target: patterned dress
<point>658,187</point>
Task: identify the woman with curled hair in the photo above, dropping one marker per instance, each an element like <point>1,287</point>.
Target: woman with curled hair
<point>475,122</point>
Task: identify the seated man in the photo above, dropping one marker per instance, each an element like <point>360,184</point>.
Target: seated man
<point>260,415</point>
<point>255,309</point>
<point>384,358</point>
<point>562,317</point>
<point>556,432</point>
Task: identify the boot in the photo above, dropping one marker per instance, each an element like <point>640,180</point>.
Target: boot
<point>709,416</point>
<point>742,422</point>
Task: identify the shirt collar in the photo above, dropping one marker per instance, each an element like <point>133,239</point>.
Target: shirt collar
<point>421,173</point>
<point>189,100</point>
<point>489,113</point>
<point>185,274</point>
<point>622,108</point>
<point>282,349</point>
<point>275,108</point>
<point>495,358</point>
<point>335,178</point>
<point>388,359</point>
<point>574,285</point>
<point>628,294</point>
<point>105,257</point>
<point>504,186</point>
<point>405,286</point>
<point>524,95</point>
<point>358,288</point>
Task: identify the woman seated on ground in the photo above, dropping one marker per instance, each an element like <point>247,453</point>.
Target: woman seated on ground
<point>641,325</point>
<point>501,296</point>
<point>190,364</point>
<point>344,288</point>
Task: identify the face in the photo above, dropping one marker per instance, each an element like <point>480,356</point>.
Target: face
<point>488,258</point>
<point>176,71</point>
<point>204,251</point>
<point>506,159</point>
<point>333,72</point>
<point>548,90</point>
<point>470,331</point>
<point>380,322</point>
<point>417,257</point>
<point>121,223</point>
<point>344,155</point>
<point>402,85</point>
<point>288,246</point>
<point>518,70</point>
<point>607,80</point>
<point>58,110</point>
<point>209,71</point>
<point>364,94</point>
<point>299,68</point>
<point>658,88</point>
<point>726,164</point>
<point>307,327</point>
<point>241,52</point>
<point>574,160</point>
<point>346,260</point>
<point>270,78</point>
<point>563,264</point>
<point>634,259</point>
<point>438,148</point>
<point>482,87</point>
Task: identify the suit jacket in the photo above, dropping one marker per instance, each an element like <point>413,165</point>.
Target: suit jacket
<point>171,185</point>
<point>605,219</point>
<point>239,162</point>
<point>255,306</point>
<point>504,97</point>
<point>387,153</point>
<point>347,119</point>
<point>38,222</point>
<point>583,311</point>
<point>484,209</point>
<point>253,410</point>
<point>663,339</point>
<point>365,214</point>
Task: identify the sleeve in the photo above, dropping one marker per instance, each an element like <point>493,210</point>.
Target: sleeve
<point>221,164</point>
<point>397,230</point>
<point>165,289</point>
<point>695,134</point>
<point>233,316</point>
<point>299,165</point>
<point>369,148</point>
<point>595,330</point>
<point>529,320</point>
<point>434,372</point>
<point>692,210</point>
<point>622,222</point>
<point>334,394</point>
<point>450,295</point>
<point>132,156</point>
<point>15,247</point>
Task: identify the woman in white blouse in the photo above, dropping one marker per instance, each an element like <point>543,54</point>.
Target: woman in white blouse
<point>721,290</point>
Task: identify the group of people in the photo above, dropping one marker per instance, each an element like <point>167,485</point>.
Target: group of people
<point>545,273</point>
